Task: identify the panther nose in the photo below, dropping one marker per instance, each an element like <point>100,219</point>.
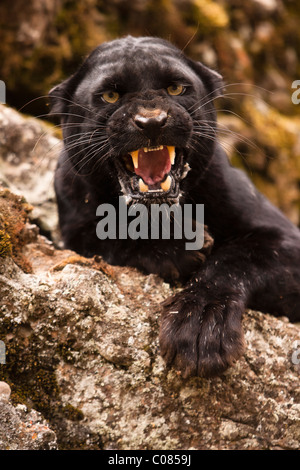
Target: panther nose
<point>151,120</point>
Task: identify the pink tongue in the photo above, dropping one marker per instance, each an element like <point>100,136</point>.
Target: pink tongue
<point>153,165</point>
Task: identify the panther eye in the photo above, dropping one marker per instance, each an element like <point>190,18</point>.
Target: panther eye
<point>175,90</point>
<point>110,96</point>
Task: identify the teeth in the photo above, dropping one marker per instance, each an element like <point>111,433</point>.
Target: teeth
<point>142,186</point>
<point>165,185</point>
<point>151,149</point>
<point>135,154</point>
<point>135,158</point>
<point>171,151</point>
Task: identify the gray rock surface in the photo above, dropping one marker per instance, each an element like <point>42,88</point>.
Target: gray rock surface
<point>28,154</point>
<point>82,349</point>
<point>22,429</point>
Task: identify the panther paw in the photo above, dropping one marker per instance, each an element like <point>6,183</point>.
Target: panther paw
<point>201,335</point>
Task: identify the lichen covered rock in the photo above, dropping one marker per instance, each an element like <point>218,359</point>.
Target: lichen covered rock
<point>24,430</point>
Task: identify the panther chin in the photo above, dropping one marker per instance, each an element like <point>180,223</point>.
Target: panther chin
<point>152,173</point>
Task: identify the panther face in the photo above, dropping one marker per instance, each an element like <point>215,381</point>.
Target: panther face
<point>144,111</point>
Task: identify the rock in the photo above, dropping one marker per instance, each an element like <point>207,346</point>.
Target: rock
<point>24,430</point>
<point>29,150</point>
<point>267,6</point>
<point>5,391</point>
<point>82,349</point>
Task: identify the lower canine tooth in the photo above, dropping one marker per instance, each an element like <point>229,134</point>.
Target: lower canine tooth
<point>142,186</point>
<point>165,185</point>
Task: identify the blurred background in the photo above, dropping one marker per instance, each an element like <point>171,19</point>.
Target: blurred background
<point>254,44</point>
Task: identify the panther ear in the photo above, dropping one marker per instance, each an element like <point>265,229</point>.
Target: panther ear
<point>212,79</point>
<point>60,96</point>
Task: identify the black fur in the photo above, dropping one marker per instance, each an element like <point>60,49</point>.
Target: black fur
<point>255,261</point>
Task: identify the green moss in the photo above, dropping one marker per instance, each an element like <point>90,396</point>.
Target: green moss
<point>33,382</point>
<point>5,244</point>
<point>72,413</point>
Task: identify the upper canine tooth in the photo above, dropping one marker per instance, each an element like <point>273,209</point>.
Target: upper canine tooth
<point>135,158</point>
<point>171,151</point>
<point>165,185</point>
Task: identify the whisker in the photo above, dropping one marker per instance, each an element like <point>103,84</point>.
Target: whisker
<point>59,97</point>
<point>89,157</point>
<point>228,95</point>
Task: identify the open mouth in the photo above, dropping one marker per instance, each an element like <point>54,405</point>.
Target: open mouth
<point>153,172</point>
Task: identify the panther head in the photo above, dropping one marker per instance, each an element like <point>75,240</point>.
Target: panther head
<point>142,109</point>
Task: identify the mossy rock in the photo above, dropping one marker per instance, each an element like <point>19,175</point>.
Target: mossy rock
<point>14,211</point>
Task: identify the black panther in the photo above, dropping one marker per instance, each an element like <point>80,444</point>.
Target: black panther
<point>138,120</point>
